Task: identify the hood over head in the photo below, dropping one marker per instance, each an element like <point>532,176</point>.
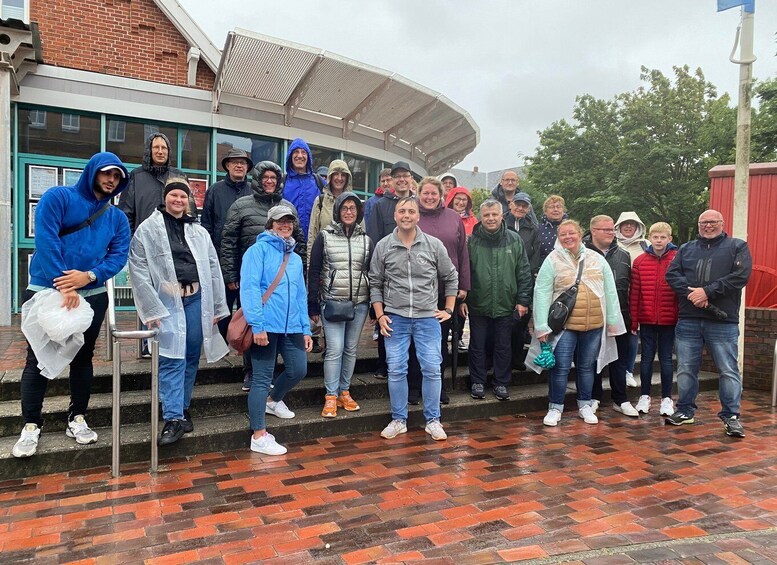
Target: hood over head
<point>340,200</point>
<point>259,170</point>
<point>630,216</point>
<point>458,190</point>
<point>298,143</point>
<point>449,176</point>
<point>99,161</point>
<point>148,163</point>
<point>339,166</point>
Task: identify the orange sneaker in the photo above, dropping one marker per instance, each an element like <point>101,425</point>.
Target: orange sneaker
<point>345,401</point>
<point>330,407</point>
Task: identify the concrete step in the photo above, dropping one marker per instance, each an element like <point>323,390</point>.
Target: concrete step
<point>57,453</point>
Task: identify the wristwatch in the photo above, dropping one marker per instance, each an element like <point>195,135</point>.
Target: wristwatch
<point>449,311</point>
<point>91,275</point>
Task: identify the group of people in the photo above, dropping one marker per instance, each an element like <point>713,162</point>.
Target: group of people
<point>307,260</point>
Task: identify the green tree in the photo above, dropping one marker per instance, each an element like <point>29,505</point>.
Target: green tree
<point>763,144</point>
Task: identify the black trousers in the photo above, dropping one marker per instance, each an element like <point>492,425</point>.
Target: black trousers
<point>484,331</point>
<point>616,372</point>
<point>520,331</point>
<point>34,384</point>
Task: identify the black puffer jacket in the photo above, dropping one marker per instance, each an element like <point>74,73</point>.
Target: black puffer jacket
<point>619,261</point>
<point>145,190</point>
<point>530,237</point>
<point>246,219</point>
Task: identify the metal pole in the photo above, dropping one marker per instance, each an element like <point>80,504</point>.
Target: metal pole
<point>5,193</point>
<point>116,408</point>
<point>774,376</point>
<point>154,404</point>
<point>742,170</point>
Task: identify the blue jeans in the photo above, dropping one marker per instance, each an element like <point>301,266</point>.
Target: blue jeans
<point>426,335</point>
<point>691,335</point>
<point>631,354</point>
<point>342,340</point>
<point>295,360</point>
<point>176,376</point>
<point>583,348</point>
<point>656,338</point>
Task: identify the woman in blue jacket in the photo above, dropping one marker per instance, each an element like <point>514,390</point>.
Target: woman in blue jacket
<point>279,323</point>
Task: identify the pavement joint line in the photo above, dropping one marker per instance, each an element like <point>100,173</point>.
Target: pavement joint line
<point>625,549</point>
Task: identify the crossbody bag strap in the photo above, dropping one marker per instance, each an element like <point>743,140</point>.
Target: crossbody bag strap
<point>274,284</point>
<point>579,273</point>
<point>88,222</point>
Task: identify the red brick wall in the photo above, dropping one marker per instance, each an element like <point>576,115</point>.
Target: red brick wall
<point>128,38</point>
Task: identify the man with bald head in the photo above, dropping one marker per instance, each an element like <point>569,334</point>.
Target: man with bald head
<point>708,275</point>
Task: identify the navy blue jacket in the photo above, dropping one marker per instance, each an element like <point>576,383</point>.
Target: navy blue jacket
<point>101,247</point>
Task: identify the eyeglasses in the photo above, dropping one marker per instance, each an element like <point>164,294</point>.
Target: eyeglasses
<point>509,180</point>
<point>554,207</point>
<point>605,230</point>
<point>710,222</point>
<point>402,176</point>
<point>269,179</point>
<point>351,209</point>
<point>285,221</point>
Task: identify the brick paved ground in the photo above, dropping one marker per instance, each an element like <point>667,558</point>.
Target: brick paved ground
<point>499,490</point>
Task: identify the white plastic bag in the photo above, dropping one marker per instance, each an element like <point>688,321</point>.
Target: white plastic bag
<point>54,332</point>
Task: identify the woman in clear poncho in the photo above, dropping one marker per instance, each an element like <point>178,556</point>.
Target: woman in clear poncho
<point>588,337</point>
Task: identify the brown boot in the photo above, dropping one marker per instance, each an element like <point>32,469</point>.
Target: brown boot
<point>345,401</point>
<point>330,407</point>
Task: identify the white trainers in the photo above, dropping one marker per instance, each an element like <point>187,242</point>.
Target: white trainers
<point>78,430</point>
<point>434,429</point>
<point>667,407</point>
<point>630,380</point>
<point>278,409</point>
<point>394,428</point>
<point>552,418</point>
<point>27,444</point>
<point>588,416</point>
<point>626,409</point>
<point>594,405</point>
<point>643,404</point>
<point>267,445</point>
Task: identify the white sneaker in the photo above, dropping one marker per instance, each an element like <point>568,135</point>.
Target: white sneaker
<point>667,407</point>
<point>643,404</point>
<point>594,405</point>
<point>278,409</point>
<point>394,428</point>
<point>588,416</point>
<point>630,380</point>
<point>78,430</point>
<point>626,409</point>
<point>552,418</point>
<point>434,429</point>
<point>27,444</point>
<point>267,445</point>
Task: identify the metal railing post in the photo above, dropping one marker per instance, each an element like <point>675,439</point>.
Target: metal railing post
<point>116,407</point>
<point>154,404</point>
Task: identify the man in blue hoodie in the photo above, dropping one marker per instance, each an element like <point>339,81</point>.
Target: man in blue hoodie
<point>81,241</point>
<point>301,185</point>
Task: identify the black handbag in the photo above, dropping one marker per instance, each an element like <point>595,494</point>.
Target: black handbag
<point>563,305</point>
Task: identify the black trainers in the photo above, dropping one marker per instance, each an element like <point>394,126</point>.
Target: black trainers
<point>144,351</point>
<point>678,419</point>
<point>734,427</point>
<point>247,378</point>
<point>478,391</point>
<point>501,392</point>
<point>316,346</point>
<point>379,375</point>
<point>186,423</point>
<point>171,433</point>
<point>444,398</point>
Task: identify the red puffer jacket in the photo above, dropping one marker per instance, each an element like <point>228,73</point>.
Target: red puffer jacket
<point>652,300</point>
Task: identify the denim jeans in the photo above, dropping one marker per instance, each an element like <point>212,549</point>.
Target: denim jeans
<point>295,360</point>
<point>616,373</point>
<point>500,329</point>
<point>583,348</point>
<point>660,338</point>
<point>342,341</point>
<point>631,352</point>
<point>426,335</point>
<point>176,376</point>
<point>691,335</point>
<point>34,385</point>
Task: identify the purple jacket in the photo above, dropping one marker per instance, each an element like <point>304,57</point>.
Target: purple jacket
<point>446,225</point>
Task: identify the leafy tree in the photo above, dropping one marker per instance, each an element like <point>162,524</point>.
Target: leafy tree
<point>763,144</point>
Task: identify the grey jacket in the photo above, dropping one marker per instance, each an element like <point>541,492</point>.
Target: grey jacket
<point>405,280</point>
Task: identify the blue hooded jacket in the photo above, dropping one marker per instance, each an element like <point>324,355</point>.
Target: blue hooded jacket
<point>301,190</point>
<point>101,247</point>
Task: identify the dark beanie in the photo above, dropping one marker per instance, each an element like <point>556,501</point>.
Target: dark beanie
<point>177,185</point>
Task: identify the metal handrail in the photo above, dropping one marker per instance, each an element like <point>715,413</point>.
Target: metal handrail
<point>774,376</point>
<point>113,335</point>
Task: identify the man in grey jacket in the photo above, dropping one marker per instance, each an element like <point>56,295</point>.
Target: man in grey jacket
<point>404,274</point>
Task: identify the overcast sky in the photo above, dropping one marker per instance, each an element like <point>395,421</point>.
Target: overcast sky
<point>515,65</point>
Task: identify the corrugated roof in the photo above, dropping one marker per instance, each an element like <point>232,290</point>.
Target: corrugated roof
<point>438,132</point>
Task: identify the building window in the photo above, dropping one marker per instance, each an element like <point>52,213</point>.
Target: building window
<point>148,129</point>
<point>38,119</point>
<point>259,148</point>
<point>195,149</point>
<point>15,9</point>
<point>71,123</point>
<point>117,131</point>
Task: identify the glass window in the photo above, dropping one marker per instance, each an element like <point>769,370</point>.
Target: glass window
<point>53,135</point>
<point>133,143</point>
<point>259,148</point>
<point>195,153</point>
<point>358,168</point>
<point>13,9</point>
<point>322,156</point>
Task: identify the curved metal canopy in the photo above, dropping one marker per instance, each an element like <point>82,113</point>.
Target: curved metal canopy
<point>438,133</point>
